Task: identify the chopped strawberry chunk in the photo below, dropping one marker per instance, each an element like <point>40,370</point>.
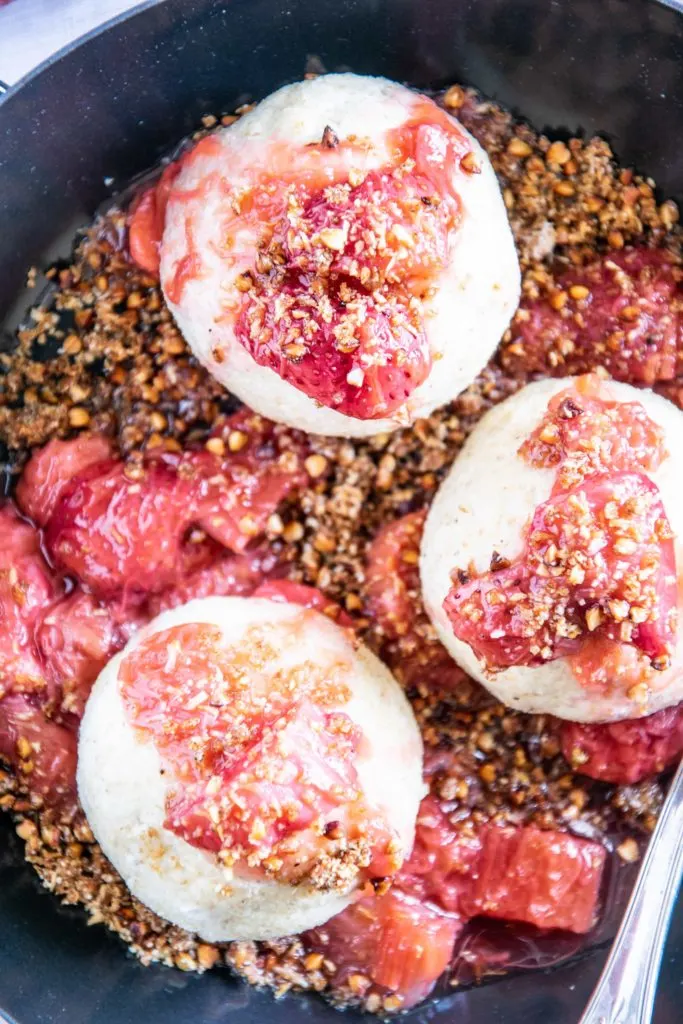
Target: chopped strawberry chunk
<point>504,630</point>
<point>51,469</point>
<point>43,753</point>
<point>147,219</point>
<point>312,768</point>
<point>414,949</point>
<point>234,503</point>
<point>395,941</point>
<point>548,879</point>
<point>368,350</point>
<point>307,597</point>
<point>26,591</point>
<point>443,862</point>
<point>114,532</point>
<point>128,528</point>
<point>76,639</point>
<point>229,576</point>
<point>143,234</point>
<point>623,312</point>
<point>412,650</point>
<point>392,575</point>
<point>265,462</point>
<point>625,752</point>
<point>586,431</point>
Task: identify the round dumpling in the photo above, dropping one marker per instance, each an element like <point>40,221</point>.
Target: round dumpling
<point>552,556</point>
<point>246,765</point>
<point>340,257</point>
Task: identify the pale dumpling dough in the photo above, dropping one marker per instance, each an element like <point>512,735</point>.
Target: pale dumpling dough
<point>472,299</point>
<point>484,505</point>
<point>124,783</point>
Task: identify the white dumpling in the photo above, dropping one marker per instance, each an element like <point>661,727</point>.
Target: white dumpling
<point>124,783</point>
<point>485,504</point>
<point>471,301</point>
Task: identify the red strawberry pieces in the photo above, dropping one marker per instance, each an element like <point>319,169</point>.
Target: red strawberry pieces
<point>392,576</point>
<point>395,942</point>
<point>52,648</point>
<point>625,752</point>
<point>333,302</point>
<point>129,528</point>
<point>395,604</point>
<point>548,879</point>
<point>307,597</point>
<point>27,589</point>
<point>147,219</point>
<point>403,941</point>
<point>133,535</point>
<point>76,639</point>
<point>115,532</point>
<point>236,497</point>
<point>414,946</point>
<point>334,320</point>
<point>51,469</point>
<point>443,861</point>
<point>42,751</point>
<point>228,576</point>
<point>623,312</point>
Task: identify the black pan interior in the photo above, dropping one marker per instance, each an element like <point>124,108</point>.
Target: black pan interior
<point>92,118</point>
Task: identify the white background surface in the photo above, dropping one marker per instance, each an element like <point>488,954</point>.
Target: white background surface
<point>31,30</point>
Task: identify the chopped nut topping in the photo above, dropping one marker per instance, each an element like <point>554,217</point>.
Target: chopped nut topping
<point>315,465</point>
<point>628,851</point>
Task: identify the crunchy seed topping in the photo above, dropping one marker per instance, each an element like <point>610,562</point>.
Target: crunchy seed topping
<point>628,851</point>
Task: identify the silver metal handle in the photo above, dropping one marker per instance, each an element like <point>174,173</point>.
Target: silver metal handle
<point>625,993</point>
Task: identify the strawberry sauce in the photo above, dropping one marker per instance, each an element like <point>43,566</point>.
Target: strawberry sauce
<point>622,311</point>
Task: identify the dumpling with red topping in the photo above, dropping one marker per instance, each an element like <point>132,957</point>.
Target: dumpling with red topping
<point>552,557</point>
<point>340,257</point>
<point>246,765</point>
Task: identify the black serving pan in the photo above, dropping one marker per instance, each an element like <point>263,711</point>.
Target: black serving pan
<point>106,108</point>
